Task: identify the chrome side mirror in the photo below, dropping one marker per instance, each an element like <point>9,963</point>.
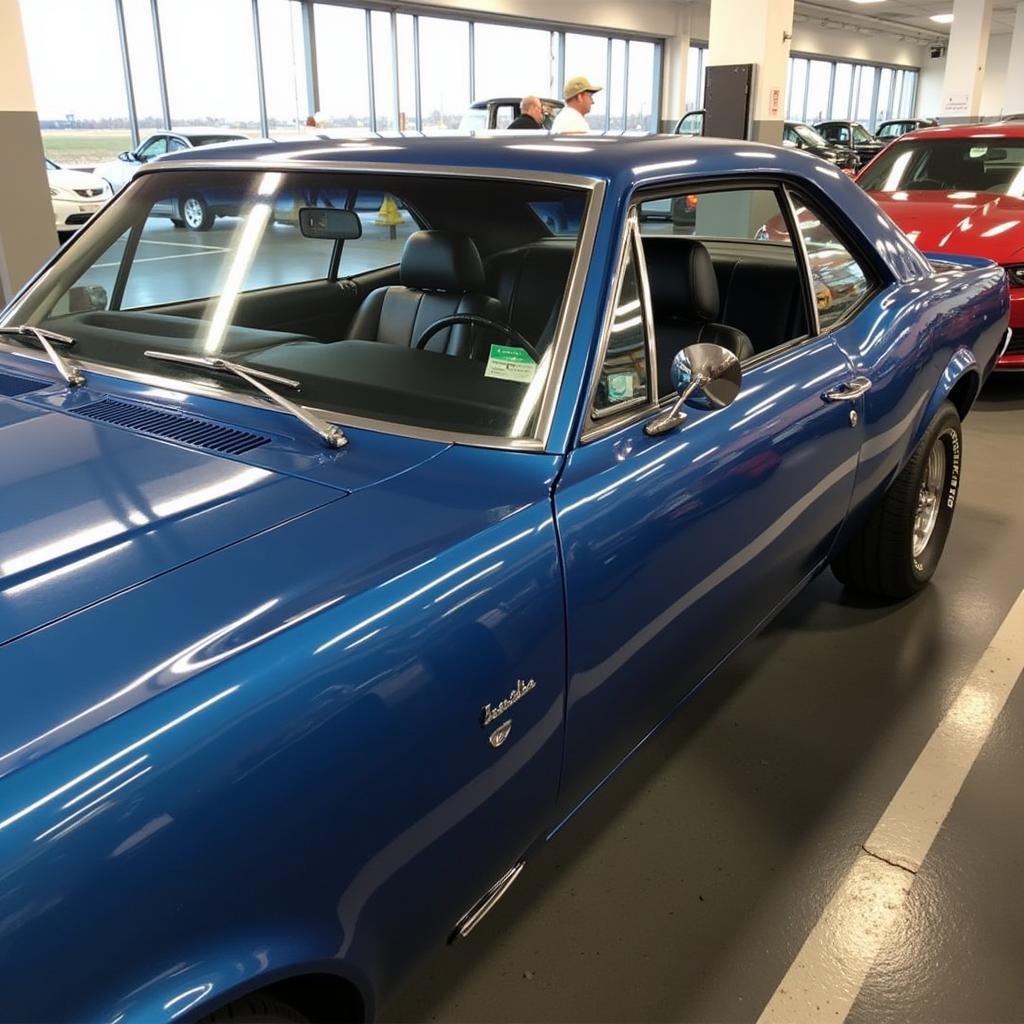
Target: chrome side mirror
<point>705,376</point>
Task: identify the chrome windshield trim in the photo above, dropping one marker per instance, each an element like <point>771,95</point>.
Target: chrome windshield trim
<point>278,163</point>
<point>559,348</point>
<point>212,390</point>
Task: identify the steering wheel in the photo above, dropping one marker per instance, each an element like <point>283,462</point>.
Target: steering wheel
<point>477,321</point>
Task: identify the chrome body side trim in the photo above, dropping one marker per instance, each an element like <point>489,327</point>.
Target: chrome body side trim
<point>484,907</point>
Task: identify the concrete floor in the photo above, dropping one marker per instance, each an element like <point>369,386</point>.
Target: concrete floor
<point>684,891</point>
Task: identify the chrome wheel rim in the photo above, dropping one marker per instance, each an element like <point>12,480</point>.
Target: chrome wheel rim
<point>192,210</point>
<point>929,498</point>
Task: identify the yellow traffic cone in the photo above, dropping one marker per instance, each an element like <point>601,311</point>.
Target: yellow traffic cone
<point>388,215</point>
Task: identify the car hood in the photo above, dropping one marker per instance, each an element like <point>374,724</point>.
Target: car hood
<point>91,510</point>
<point>65,178</point>
<point>970,223</point>
<point>353,561</point>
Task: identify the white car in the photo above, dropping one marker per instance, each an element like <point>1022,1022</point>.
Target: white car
<point>75,195</point>
<point>117,172</point>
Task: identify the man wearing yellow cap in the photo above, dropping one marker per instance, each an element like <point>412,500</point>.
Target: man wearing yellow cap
<point>579,98</point>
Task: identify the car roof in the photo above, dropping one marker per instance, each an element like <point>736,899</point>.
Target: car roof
<point>625,158</point>
<point>991,129</point>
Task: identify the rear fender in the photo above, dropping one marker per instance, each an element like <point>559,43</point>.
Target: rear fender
<point>960,382</point>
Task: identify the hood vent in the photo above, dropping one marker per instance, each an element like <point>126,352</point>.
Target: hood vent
<point>173,427</point>
<point>10,386</point>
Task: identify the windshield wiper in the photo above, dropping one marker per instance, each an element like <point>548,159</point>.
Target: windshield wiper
<point>328,432</point>
<point>73,377</point>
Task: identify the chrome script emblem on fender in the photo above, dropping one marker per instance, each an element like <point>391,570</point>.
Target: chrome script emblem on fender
<point>523,687</point>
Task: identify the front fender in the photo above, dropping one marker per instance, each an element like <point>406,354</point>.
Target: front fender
<point>199,988</point>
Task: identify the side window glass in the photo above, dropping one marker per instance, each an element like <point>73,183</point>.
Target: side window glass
<point>721,267</point>
<point>156,146</point>
<point>840,282</point>
<point>174,145</point>
<point>624,373</point>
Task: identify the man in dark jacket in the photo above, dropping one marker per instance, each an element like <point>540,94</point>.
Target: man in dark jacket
<point>531,114</point>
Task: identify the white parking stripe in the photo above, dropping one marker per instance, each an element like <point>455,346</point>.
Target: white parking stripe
<point>184,245</point>
<point>153,259</point>
<point>829,971</point>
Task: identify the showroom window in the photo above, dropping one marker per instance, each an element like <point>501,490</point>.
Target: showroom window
<point>588,55</point>
<point>342,66</point>
<point>617,86</point>
<point>284,65</point>
<point>234,103</point>
<point>822,90</point>
<point>444,72</point>
<point>146,87</point>
<point>696,59</point>
<point>534,68</point>
<point>355,67</point>
<point>83,116</point>
<point>640,109</point>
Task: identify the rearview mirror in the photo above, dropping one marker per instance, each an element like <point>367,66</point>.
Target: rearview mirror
<point>706,376</point>
<point>327,222</point>
<point>126,156</point>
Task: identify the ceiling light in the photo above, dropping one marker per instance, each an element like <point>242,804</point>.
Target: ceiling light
<point>942,19</point>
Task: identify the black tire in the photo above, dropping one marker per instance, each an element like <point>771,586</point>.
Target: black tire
<point>256,1009</point>
<point>881,558</point>
<point>195,213</point>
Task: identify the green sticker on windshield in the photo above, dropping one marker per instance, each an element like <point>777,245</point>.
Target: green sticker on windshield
<point>507,362</point>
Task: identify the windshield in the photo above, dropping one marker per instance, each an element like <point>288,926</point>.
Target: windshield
<point>329,280</point>
<point>940,165</point>
<point>893,129</point>
<point>809,135</point>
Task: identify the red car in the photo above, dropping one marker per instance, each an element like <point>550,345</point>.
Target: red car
<point>960,189</point>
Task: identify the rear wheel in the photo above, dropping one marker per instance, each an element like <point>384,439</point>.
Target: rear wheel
<point>195,212</point>
<point>897,549</point>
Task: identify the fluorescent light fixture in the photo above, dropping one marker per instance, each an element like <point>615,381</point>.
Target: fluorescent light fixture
<point>942,19</point>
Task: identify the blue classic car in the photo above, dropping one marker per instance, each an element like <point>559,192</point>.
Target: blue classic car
<point>342,560</point>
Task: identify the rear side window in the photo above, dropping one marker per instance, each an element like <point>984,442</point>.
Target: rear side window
<point>839,281</point>
<point>752,296</point>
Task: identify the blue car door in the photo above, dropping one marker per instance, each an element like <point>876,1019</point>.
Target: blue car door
<point>677,547</point>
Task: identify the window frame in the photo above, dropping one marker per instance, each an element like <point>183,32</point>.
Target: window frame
<point>600,423</point>
<point>785,191</point>
<point>856,252</point>
<point>760,183</point>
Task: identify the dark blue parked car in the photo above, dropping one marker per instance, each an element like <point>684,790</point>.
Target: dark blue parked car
<point>342,560</point>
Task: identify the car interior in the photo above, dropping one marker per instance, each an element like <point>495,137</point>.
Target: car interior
<point>475,271</point>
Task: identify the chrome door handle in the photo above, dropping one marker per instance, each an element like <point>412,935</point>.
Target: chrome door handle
<point>847,391</point>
